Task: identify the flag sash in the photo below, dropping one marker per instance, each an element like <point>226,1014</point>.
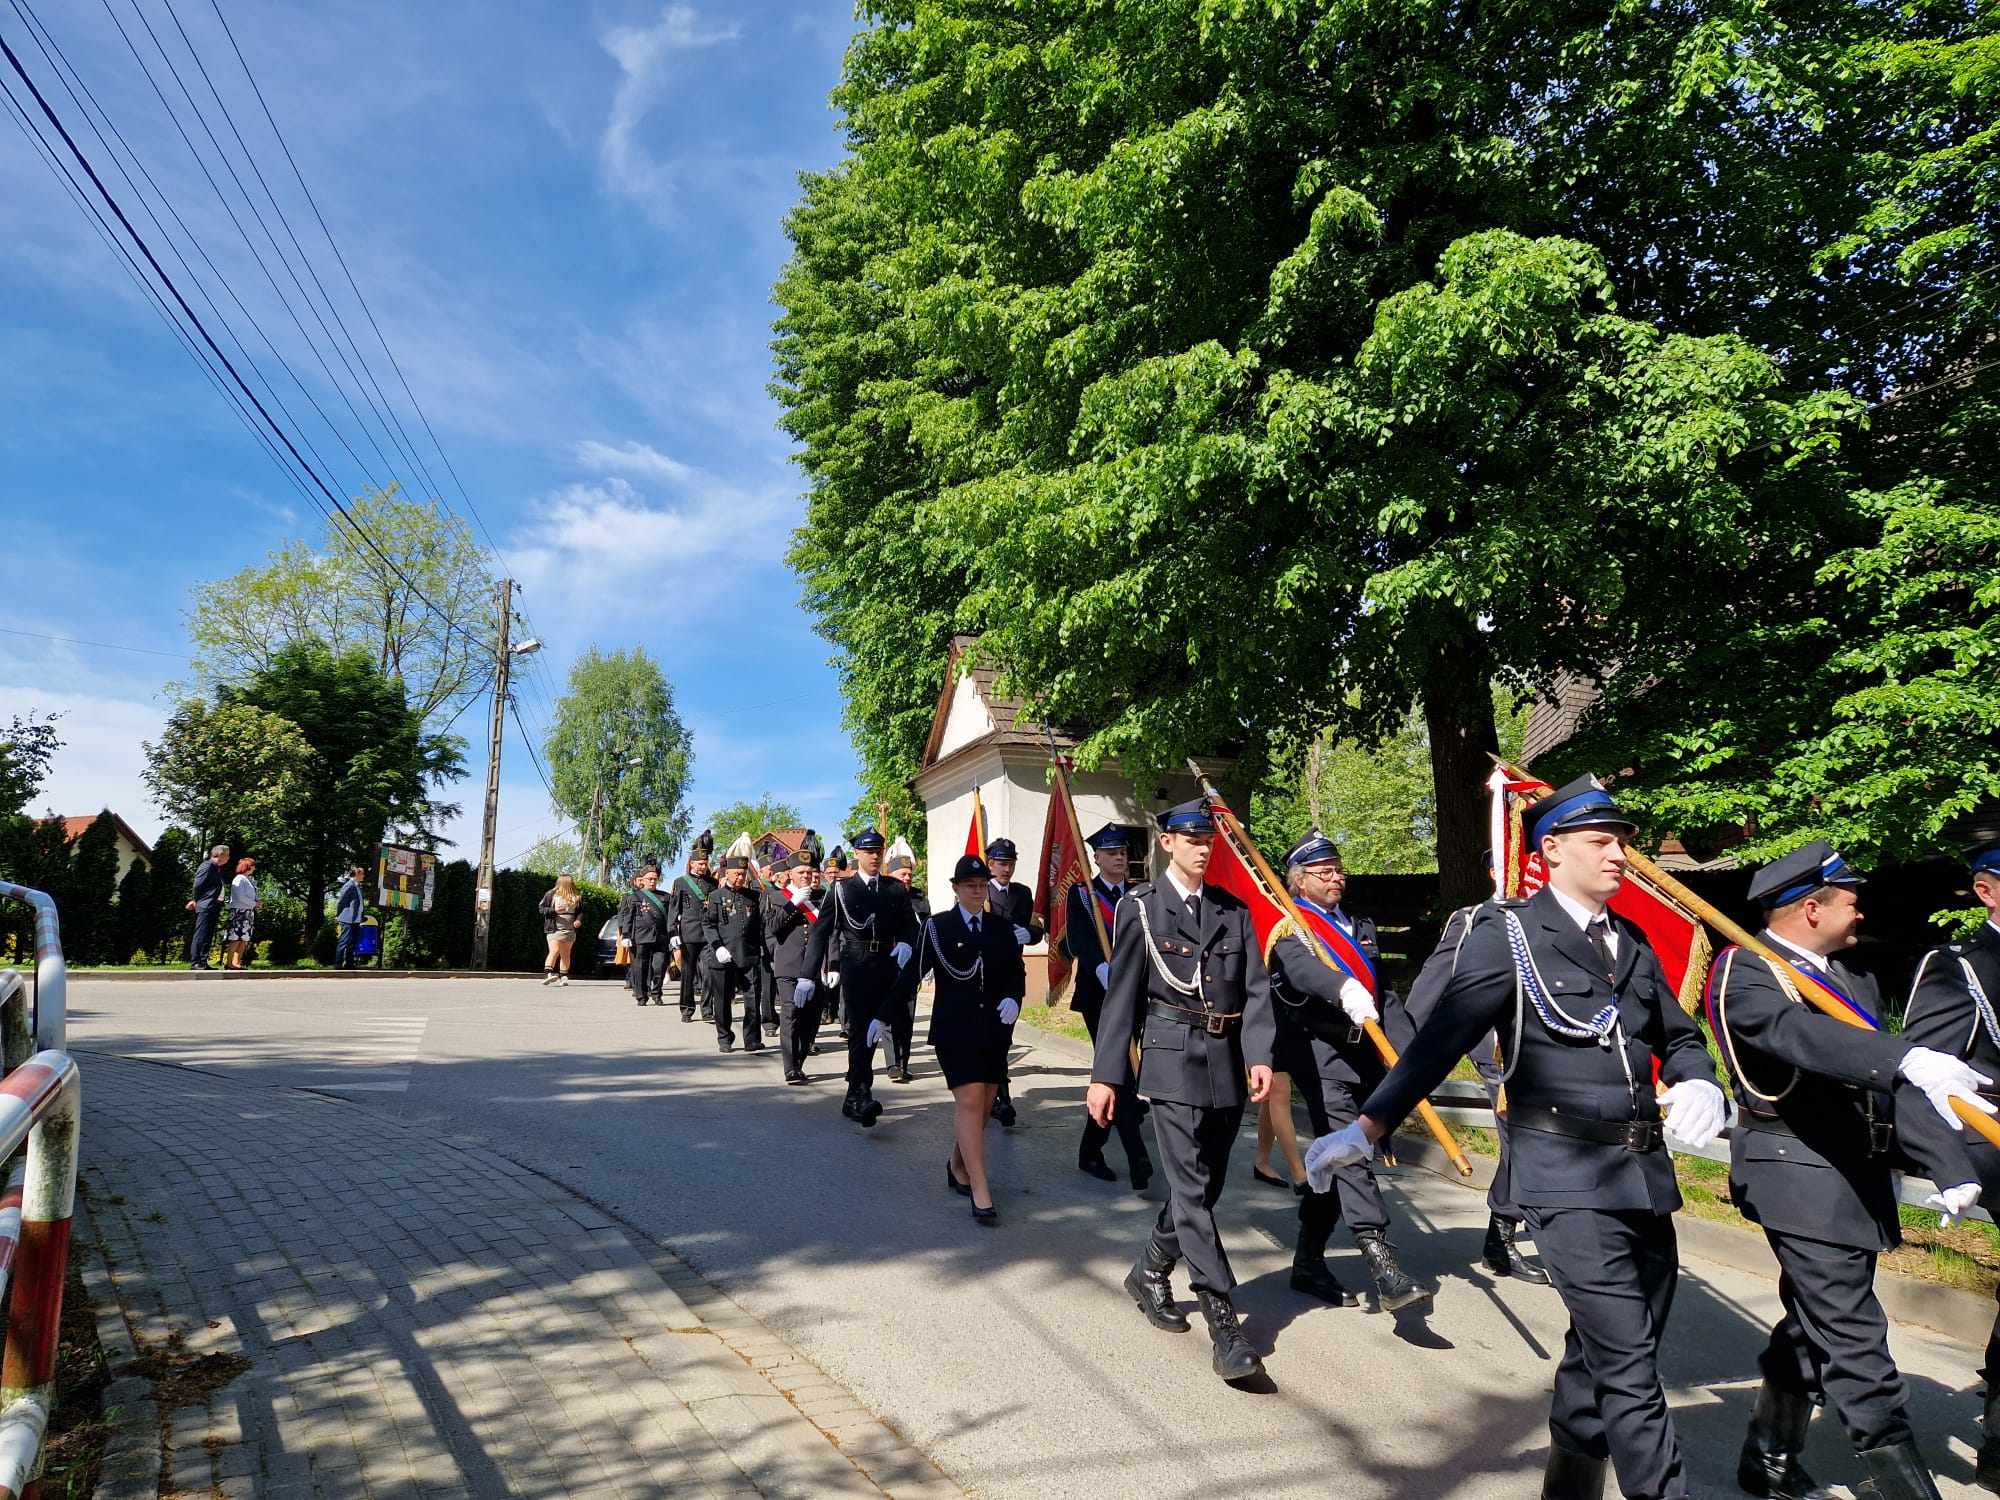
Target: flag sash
<point>1825,986</point>
<point>1348,956</point>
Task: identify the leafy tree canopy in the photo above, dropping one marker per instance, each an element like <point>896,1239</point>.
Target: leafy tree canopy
<point>620,760</point>
<point>754,818</point>
<point>230,772</point>
<point>26,748</point>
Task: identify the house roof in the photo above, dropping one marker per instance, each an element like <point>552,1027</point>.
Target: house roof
<point>74,827</point>
<point>1555,715</point>
<point>1011,724</point>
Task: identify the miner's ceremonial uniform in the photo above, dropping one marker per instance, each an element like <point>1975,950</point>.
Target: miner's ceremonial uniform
<point>687,908</point>
<point>733,927</point>
<point>644,920</point>
<point>1582,1011</point>
<point>1952,1009</point>
<point>1013,903</point>
<point>1188,964</point>
<point>1087,1000</point>
<point>1820,1110</point>
<point>866,928</point>
<point>1334,1066</point>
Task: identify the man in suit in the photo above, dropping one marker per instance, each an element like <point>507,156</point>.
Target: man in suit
<point>868,932</point>
<point>1186,959</point>
<point>1104,891</point>
<point>789,917</point>
<point>899,1029</point>
<point>1583,1012</point>
<point>732,929</point>
<point>687,931</point>
<point>1951,1009</point>
<point>211,889</point>
<point>1326,994</point>
<point>1015,904</point>
<point>348,904</point>
<point>1821,1104</point>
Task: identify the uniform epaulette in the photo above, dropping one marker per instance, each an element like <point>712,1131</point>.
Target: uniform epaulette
<point>1140,888</point>
<point>1958,947</point>
<point>1507,903</point>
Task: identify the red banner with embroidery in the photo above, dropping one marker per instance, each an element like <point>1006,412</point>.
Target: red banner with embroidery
<point>1062,868</point>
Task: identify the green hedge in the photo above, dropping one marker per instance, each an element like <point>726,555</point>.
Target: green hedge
<point>442,936</point>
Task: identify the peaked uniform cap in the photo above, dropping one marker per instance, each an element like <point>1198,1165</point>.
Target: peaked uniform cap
<point>1314,849</point>
<point>1110,836</point>
<point>1583,803</point>
<point>1800,873</point>
<point>868,839</point>
<point>1192,816</point>
<point>1002,849</point>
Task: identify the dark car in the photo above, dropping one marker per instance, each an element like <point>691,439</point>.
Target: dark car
<point>607,965</point>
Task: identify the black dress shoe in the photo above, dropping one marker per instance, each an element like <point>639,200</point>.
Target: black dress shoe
<point>725,1045</point>
<point>851,1108</point>
<point>793,1075</point>
<point>752,1046</point>
<point>1318,1281</point>
<point>871,1111</point>
<point>1503,1257</point>
<point>1100,1169</point>
<point>1142,1174</point>
<point>687,1015</point>
<point>1267,1179</point>
<point>1003,1111</point>
<point>963,1189</point>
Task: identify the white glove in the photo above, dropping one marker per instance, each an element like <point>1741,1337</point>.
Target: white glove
<point>1944,1078</point>
<point>1010,1012</point>
<point>799,894</point>
<point>1023,936</point>
<point>1104,976</point>
<point>1357,1002</point>
<point>1344,1147</point>
<point>901,953</point>
<point>803,992</point>
<point>675,944</point>
<point>1695,1111</point>
<point>874,1032</point>
<point>721,954</point>
<point>1953,1203</point>
<point>833,979</point>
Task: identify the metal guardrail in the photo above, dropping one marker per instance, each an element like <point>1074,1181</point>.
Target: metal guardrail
<point>1464,1103</point>
<point>41,1118</point>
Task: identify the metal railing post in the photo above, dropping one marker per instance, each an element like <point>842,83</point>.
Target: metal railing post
<point>47,1090</point>
<point>51,971</point>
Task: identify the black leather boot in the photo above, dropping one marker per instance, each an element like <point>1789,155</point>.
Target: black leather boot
<point>1311,1276</point>
<point>1503,1257</point>
<point>1770,1462</point>
<point>871,1108</point>
<point>1571,1476</point>
<point>1233,1358</point>
<point>858,1105</point>
<point>1897,1471</point>
<point>1987,1469</point>
<point>1148,1284</point>
<point>1396,1287</point>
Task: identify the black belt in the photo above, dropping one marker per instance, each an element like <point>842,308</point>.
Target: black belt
<point>1212,1022</point>
<point>1633,1135</point>
<point>1881,1133</point>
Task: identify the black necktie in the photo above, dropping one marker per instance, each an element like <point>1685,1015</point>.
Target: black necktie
<point>972,925</point>
<point>1194,910</point>
<point>1599,933</point>
<point>870,879</point>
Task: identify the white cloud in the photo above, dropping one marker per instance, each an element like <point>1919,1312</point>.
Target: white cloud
<point>638,460</point>
<point>644,55</point>
<point>101,757</point>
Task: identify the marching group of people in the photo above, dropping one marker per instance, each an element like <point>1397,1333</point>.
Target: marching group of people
<point>1563,1007</point>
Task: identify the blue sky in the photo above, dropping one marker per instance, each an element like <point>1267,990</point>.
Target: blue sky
<point>567,219</point>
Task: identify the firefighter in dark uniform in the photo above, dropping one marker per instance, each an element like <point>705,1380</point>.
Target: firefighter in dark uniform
<point>865,927</point>
<point>1810,1161</point>
<point>687,906</point>
<point>1093,968</point>
<point>899,1031</point>
<point>789,914</point>
<point>643,919</point>
<point>1186,959</point>
<point>1583,1011</point>
<point>733,927</point>
<point>1320,1012</point>
<point>1951,1009</point>
<point>1502,1254</point>
<point>1014,903</point>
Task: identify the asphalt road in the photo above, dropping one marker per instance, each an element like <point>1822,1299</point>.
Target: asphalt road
<point>1010,1354</point>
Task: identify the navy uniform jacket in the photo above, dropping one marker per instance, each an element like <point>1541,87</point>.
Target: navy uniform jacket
<point>687,913</point>
<point>788,929</point>
<point>1943,1015</point>
<point>1017,905</point>
<point>1080,942</point>
<point>1314,1033</point>
<point>1180,1063</point>
<point>734,919</point>
<point>966,1012</point>
<point>1578,1077</point>
<point>858,928</point>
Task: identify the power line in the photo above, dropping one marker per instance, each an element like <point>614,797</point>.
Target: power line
<point>70,640</point>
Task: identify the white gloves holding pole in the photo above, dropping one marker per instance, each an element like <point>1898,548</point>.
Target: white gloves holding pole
<point>1944,1078</point>
<point>1357,1002</point>
<point>1695,1111</point>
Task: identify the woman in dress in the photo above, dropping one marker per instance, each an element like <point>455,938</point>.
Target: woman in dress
<point>242,922</point>
<point>560,920</point>
<point>979,978</point>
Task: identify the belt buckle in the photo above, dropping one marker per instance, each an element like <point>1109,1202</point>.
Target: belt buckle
<point>1215,1025</point>
<point>1354,1034</point>
<point>1642,1135</point>
<point>1881,1136</point>
<point>874,945</point>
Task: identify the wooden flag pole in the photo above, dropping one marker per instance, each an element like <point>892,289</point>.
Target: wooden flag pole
<point>1069,808</point>
<point>1276,887</point>
<point>1809,988</point>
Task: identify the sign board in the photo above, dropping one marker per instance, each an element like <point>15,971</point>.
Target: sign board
<point>406,878</point>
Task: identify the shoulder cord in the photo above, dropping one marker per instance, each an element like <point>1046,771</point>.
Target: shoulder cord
<point>963,976</point>
<point>1728,1044</point>
<point>1979,1000</point>
<point>1606,1028</point>
<point>840,904</point>
<point>1167,976</point>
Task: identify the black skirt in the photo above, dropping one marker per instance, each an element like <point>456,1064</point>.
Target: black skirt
<point>962,1065</point>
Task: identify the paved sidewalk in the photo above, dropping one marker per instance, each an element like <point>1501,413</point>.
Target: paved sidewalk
<point>422,1319</point>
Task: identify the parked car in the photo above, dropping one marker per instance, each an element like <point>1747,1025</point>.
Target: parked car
<point>607,965</point>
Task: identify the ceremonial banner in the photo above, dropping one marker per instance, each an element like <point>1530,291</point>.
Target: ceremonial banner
<point>1062,868</point>
<point>975,836</point>
<point>1227,869</point>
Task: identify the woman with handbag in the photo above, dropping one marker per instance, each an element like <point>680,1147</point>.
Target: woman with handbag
<point>561,916</point>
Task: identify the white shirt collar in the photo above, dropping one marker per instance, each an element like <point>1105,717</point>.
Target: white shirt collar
<point>970,918</point>
<point>1993,924</point>
<point>1794,951</point>
<point>1578,913</point>
<point>1175,881</point>
<point>999,887</point>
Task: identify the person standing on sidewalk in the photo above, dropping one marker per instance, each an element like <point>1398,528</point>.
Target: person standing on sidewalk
<point>244,905</point>
<point>559,908</point>
<point>643,918</point>
<point>789,916</point>
<point>1014,904</point>
<point>1321,1014</point>
<point>1951,1009</point>
<point>1093,971</point>
<point>865,927</point>
<point>211,888</point>
<point>348,907</point>
<point>1186,959</point>
<point>733,929</point>
<point>1583,1011</point>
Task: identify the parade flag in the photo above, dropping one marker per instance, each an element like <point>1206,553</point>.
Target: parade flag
<point>975,836</point>
<point>1062,869</point>
<point>1229,868</point>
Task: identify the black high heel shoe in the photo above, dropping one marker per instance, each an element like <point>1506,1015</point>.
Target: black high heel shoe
<point>986,1216</point>
<point>963,1189</point>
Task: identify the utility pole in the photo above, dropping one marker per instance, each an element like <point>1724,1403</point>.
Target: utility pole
<point>597,831</point>
<point>482,900</point>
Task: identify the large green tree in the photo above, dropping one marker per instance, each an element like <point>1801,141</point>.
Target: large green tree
<point>754,818</point>
<point>232,772</point>
<point>27,746</point>
<point>1248,369</point>
<point>620,760</point>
